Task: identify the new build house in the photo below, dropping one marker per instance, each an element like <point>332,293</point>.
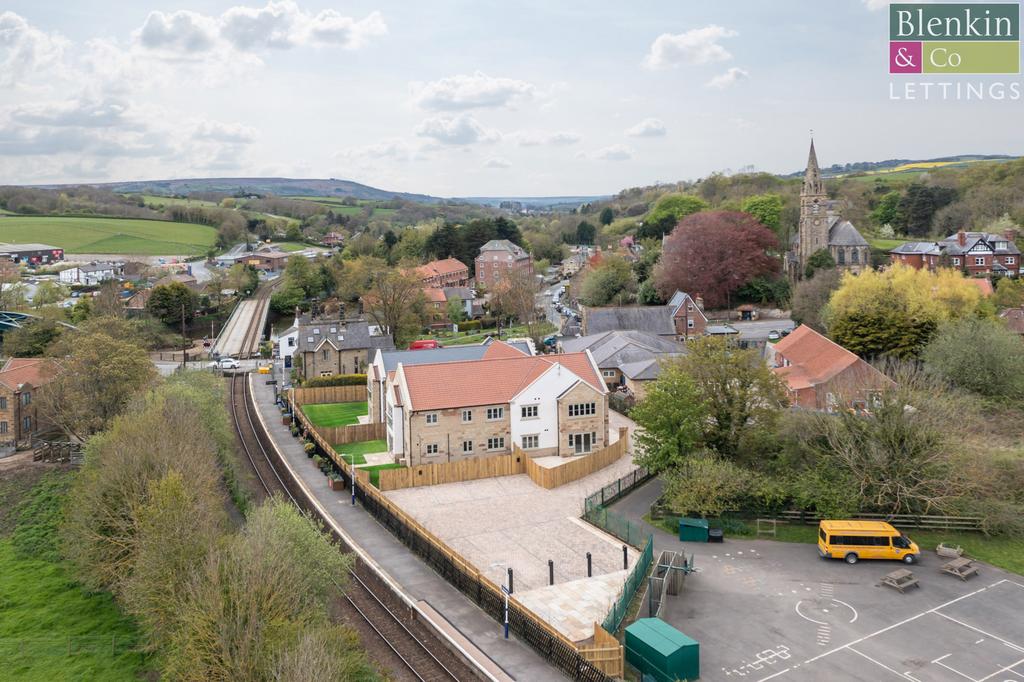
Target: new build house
<point>91,274</point>
<point>545,405</point>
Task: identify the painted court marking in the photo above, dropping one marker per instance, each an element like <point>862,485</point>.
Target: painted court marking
<point>849,646</point>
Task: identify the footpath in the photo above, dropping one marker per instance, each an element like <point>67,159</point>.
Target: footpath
<point>507,659</point>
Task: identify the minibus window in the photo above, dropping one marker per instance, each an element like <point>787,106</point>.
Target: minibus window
<point>903,542</point>
<point>821,534</point>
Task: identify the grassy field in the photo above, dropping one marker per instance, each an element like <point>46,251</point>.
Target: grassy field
<point>884,244</point>
<point>291,246</point>
<point>335,414</point>
<point>158,201</point>
<point>1006,553</point>
<point>4,211</point>
<point>336,205</point>
<point>356,451</point>
<point>110,235</point>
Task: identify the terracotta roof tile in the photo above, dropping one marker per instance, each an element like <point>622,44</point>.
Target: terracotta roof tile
<point>813,358</point>
<point>487,381</point>
<point>437,268</point>
<point>500,349</point>
<point>34,371</point>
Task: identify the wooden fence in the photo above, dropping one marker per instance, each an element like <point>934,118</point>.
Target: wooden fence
<point>453,472</point>
<point>353,433</point>
<point>552,477</point>
<point>606,654</point>
<point>329,394</point>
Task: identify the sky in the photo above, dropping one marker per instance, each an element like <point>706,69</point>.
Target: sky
<point>462,98</point>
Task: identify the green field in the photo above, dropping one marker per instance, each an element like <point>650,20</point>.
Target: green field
<point>157,201</point>
<point>291,246</point>
<point>466,338</point>
<point>884,244</point>
<point>4,211</point>
<point>335,414</point>
<point>110,235</point>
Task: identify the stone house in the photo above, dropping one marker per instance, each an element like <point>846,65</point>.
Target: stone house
<point>681,318</point>
<point>545,405</point>
<point>629,359</point>
<point>21,381</point>
<point>979,254</point>
<point>449,272</point>
<point>328,347</point>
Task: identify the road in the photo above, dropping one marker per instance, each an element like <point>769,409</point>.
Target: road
<point>758,330</point>
<point>546,300</point>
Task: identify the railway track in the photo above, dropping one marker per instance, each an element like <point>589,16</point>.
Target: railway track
<point>370,600</point>
<point>241,337</point>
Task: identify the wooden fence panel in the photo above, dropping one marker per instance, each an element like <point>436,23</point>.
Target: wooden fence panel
<point>606,654</point>
<point>553,477</point>
<point>453,472</point>
<point>329,394</point>
<point>354,433</point>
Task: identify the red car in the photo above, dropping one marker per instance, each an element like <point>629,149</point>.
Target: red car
<point>423,344</point>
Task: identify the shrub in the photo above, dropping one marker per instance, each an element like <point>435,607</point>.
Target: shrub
<point>336,380</point>
<point>295,430</point>
<point>310,448</point>
<point>469,325</point>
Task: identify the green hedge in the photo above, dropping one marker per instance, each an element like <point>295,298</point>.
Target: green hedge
<point>336,380</point>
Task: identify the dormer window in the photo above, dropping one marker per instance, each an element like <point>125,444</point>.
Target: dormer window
<point>309,339</point>
<point>316,330</point>
<point>334,330</point>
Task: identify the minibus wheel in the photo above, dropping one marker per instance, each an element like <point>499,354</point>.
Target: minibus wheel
<point>908,559</point>
<point>851,558</point>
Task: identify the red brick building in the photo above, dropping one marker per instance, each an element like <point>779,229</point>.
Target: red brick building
<point>980,254</point>
<point>822,375</point>
<point>497,259</point>
<point>450,272</point>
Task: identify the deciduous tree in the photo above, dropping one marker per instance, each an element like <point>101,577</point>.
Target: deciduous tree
<point>667,213</point>
<point>396,303</point>
<point>713,254</point>
<point>169,303</point>
<point>981,356</point>
<point>810,296</point>
<point>611,281</point>
<point>669,417</point>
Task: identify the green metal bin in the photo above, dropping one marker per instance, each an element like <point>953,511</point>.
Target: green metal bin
<point>657,649</point>
<point>693,530</point>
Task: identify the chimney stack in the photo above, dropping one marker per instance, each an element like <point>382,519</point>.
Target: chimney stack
<point>1010,233</point>
<point>961,238</point>
<point>698,300</point>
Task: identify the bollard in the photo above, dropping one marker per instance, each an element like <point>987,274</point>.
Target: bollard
<point>551,572</point>
<point>590,566</point>
<point>510,581</point>
<point>625,557</point>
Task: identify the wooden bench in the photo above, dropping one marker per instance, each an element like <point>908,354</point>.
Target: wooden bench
<point>900,579</point>
<point>961,567</point>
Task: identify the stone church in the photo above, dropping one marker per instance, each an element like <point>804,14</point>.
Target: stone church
<point>822,227</point>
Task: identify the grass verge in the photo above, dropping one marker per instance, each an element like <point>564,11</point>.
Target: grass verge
<point>335,414</point>
<point>356,451</point>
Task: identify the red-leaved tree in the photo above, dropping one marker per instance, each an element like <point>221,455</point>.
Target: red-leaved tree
<point>714,253</point>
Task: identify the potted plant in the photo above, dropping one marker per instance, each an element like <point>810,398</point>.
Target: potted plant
<point>310,449</point>
<point>295,430</point>
<point>335,481</point>
<point>318,461</point>
<point>286,418</point>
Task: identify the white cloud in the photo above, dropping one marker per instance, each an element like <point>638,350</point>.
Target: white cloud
<point>615,152</point>
<point>461,130</point>
<point>697,46</point>
<point>25,50</point>
<point>498,163</point>
<point>277,25</point>
<point>874,5</point>
<point>729,78</point>
<point>181,31</point>
<point>233,133</point>
<point>392,149</point>
<point>474,91</point>
<point>649,127</point>
<point>81,113</point>
<point>536,138</point>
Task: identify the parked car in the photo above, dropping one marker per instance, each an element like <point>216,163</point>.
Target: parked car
<point>225,363</point>
<point>422,344</point>
<point>774,335</point>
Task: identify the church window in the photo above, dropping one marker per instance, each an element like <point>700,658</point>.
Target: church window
<point>841,257</point>
<point>855,256</point>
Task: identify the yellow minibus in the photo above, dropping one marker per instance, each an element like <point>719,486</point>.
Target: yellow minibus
<point>856,540</point>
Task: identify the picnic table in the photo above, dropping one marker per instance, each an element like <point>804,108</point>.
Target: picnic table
<point>900,579</point>
<point>961,567</point>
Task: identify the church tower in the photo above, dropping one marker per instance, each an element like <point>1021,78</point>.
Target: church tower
<point>813,228</point>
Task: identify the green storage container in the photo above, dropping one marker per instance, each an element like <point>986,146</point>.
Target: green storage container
<point>693,530</point>
<point>657,649</point>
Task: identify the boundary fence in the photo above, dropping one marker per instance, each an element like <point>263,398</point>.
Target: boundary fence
<point>553,477</point>
<point>329,394</point>
<point>923,521</point>
<point>637,577</point>
<point>552,645</point>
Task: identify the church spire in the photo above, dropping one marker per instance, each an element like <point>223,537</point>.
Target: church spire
<point>812,176</point>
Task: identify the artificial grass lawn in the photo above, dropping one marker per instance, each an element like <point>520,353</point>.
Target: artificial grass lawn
<point>356,451</point>
<point>1002,552</point>
<point>335,414</point>
<point>446,339</point>
<point>376,469</point>
<point>110,235</point>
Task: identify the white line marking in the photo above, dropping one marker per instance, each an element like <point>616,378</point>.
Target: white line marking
<point>878,663</point>
<point>903,622</point>
<point>980,631</point>
<point>819,622</point>
<point>784,670</point>
<point>979,641</point>
<point>1002,670</point>
<point>957,672</point>
<point>936,660</point>
<point>847,606</point>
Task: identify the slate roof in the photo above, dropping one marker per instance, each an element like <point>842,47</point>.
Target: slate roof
<point>430,356</point>
<point>341,334</point>
<point>918,248</point>
<point>843,233</point>
<point>615,349</point>
<point>504,245</point>
<point>642,370</point>
<point>951,244</point>
<point>653,319</point>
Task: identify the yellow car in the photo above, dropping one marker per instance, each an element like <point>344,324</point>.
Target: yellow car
<point>264,369</point>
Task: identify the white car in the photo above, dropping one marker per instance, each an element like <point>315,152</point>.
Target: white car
<point>225,363</point>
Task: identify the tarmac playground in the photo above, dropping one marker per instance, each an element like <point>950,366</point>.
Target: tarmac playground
<point>764,610</point>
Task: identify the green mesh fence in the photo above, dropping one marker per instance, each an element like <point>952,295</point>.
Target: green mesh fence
<point>629,589</point>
